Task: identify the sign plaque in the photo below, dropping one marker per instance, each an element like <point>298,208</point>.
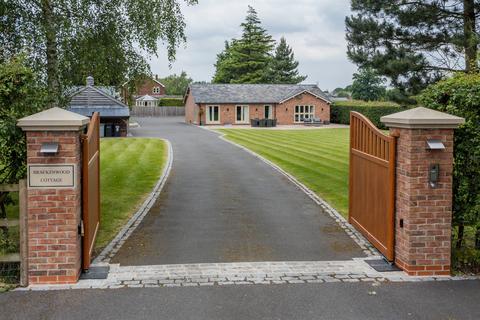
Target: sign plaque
<point>51,175</point>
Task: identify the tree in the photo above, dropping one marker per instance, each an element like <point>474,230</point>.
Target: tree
<point>413,43</point>
<point>222,72</point>
<point>20,96</point>
<point>88,34</point>
<point>367,85</point>
<point>246,60</point>
<point>284,67</point>
<point>343,92</point>
<point>177,85</point>
<point>103,54</point>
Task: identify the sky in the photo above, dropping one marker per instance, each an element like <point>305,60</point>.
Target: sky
<point>315,29</point>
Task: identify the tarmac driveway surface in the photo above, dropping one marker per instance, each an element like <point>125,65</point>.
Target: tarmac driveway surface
<point>221,204</point>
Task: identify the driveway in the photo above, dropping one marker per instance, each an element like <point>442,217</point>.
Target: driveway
<point>222,204</point>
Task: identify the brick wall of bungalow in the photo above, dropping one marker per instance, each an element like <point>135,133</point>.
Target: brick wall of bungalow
<point>284,112</point>
<point>191,110</point>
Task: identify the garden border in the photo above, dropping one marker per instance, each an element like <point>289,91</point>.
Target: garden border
<point>359,239</point>
<point>112,248</point>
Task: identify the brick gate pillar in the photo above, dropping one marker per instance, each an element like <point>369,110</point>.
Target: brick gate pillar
<point>423,204</point>
<point>54,195</point>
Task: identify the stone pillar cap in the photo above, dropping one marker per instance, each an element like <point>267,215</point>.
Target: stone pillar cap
<point>54,119</point>
<point>422,118</point>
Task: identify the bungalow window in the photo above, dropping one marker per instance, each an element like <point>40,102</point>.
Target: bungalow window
<point>213,114</point>
<point>241,114</point>
<point>304,112</point>
<point>156,90</point>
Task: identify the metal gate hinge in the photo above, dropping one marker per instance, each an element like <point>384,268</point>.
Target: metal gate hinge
<point>81,229</point>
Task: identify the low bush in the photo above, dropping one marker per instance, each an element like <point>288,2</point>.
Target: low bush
<point>373,110</point>
<point>171,102</point>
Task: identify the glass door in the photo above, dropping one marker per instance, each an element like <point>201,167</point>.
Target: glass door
<point>213,114</point>
<point>268,112</point>
<point>241,114</point>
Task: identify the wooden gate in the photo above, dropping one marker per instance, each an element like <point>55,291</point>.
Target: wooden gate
<point>90,188</point>
<point>372,183</point>
<point>5,223</point>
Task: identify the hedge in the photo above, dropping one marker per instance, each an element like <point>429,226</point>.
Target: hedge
<point>460,96</point>
<point>340,111</point>
<point>171,102</point>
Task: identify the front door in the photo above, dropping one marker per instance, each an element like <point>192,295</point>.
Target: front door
<point>241,114</point>
<point>213,114</point>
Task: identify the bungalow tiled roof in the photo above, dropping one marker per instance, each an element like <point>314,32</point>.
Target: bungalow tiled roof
<point>251,93</point>
<point>88,99</point>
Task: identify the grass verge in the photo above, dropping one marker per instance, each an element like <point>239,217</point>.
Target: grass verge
<point>130,168</point>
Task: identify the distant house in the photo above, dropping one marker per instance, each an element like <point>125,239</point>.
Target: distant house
<point>114,114</point>
<point>150,86</point>
<point>146,101</point>
<point>240,103</point>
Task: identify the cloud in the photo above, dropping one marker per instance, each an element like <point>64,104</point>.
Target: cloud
<point>314,28</point>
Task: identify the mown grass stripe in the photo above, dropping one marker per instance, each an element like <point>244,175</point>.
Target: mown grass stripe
<point>313,151</point>
<point>309,140</point>
<point>262,147</point>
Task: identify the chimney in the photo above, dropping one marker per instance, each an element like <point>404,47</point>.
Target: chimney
<point>90,81</point>
<point>156,77</point>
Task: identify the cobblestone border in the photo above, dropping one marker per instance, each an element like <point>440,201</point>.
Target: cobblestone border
<point>364,244</point>
<point>112,248</point>
<point>243,273</point>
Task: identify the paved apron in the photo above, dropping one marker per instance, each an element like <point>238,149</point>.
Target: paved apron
<point>222,204</point>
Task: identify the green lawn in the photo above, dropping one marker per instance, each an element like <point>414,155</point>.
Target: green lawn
<point>130,168</point>
<point>317,158</point>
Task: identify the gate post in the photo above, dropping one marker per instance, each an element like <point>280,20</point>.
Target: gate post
<point>423,206</point>
<point>54,195</point>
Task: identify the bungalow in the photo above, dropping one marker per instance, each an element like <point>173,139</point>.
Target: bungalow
<point>240,103</point>
<point>114,114</point>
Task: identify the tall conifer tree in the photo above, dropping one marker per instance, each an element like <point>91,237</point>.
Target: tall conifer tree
<point>247,59</point>
<point>414,43</point>
<point>284,67</point>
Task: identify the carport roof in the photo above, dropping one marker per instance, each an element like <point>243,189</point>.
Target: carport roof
<point>251,93</point>
<point>89,99</point>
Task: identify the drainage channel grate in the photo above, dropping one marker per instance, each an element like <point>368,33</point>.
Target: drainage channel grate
<point>95,273</point>
<point>382,265</point>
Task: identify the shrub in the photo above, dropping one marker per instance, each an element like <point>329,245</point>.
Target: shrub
<point>460,95</point>
<point>171,102</point>
<point>374,110</point>
<point>20,96</point>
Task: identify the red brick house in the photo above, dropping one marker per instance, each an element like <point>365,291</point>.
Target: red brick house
<point>150,86</point>
<point>239,103</point>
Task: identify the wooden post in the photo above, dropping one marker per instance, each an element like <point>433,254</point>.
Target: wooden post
<point>22,198</point>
